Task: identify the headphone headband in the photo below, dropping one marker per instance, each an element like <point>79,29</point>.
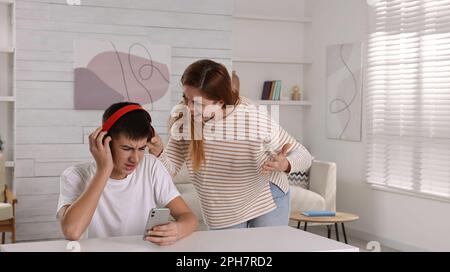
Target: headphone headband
<point>116,116</point>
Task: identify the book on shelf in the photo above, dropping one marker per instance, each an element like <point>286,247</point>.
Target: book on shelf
<point>266,90</point>
<point>319,213</point>
<point>271,90</point>
<point>277,90</point>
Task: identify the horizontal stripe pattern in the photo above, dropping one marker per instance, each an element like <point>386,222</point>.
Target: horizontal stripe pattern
<point>230,184</point>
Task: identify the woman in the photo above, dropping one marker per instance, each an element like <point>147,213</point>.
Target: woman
<point>237,156</point>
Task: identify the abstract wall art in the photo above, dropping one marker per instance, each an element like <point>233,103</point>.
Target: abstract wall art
<point>107,72</point>
<point>344,83</point>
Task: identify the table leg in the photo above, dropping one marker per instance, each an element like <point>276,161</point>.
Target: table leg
<point>337,231</point>
<point>343,230</point>
<point>304,227</point>
<point>298,225</point>
<point>329,231</point>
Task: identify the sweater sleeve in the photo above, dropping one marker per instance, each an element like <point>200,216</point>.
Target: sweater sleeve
<point>300,159</point>
<point>298,156</point>
<point>174,155</point>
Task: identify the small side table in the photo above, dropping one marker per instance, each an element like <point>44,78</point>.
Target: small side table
<point>340,217</point>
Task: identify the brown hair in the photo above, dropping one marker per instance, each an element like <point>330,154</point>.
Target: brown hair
<point>214,82</point>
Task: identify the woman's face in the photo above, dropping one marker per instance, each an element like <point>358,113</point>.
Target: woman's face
<point>199,105</point>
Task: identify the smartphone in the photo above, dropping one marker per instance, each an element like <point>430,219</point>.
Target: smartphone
<point>156,217</point>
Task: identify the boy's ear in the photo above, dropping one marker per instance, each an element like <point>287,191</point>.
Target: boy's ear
<point>110,143</point>
<point>103,140</point>
<point>152,133</point>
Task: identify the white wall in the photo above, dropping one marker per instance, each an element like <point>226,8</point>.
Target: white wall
<point>399,221</point>
<point>51,135</point>
<point>270,39</point>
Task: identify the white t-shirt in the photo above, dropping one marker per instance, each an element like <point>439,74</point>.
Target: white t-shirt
<point>124,204</point>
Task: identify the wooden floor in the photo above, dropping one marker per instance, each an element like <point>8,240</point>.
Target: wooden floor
<point>361,244</point>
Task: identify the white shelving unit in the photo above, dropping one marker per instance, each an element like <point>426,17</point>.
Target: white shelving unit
<point>268,44</point>
<point>284,102</point>
<point>271,18</point>
<point>9,164</point>
<point>7,84</point>
<point>260,49</point>
<point>270,60</point>
<point>6,49</point>
<point>7,99</point>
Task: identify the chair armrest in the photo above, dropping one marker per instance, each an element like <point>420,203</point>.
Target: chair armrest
<point>322,180</point>
<point>10,197</point>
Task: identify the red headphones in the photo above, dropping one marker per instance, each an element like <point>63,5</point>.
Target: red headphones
<point>121,112</point>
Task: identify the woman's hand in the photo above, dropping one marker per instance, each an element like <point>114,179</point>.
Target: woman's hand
<point>163,235</point>
<point>101,151</point>
<point>278,162</point>
<point>155,145</point>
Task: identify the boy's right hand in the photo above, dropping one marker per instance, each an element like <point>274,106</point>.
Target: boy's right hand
<point>101,151</point>
<point>155,145</point>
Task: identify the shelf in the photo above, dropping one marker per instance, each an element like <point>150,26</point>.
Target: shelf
<point>270,60</point>
<point>6,49</point>
<point>270,18</point>
<point>6,2</point>
<point>284,102</point>
<point>7,99</point>
<point>9,164</point>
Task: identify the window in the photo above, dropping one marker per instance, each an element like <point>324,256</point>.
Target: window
<point>408,96</point>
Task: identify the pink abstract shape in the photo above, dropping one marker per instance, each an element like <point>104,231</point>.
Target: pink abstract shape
<point>136,78</point>
<point>91,93</point>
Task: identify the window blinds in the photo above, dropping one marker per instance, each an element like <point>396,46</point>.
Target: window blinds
<point>408,96</point>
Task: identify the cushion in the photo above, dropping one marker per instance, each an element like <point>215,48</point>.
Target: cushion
<point>189,194</point>
<point>6,211</point>
<point>299,179</point>
<point>303,200</point>
<point>182,175</point>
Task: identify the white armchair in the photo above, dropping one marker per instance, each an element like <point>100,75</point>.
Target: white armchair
<point>322,189</point>
<point>189,194</point>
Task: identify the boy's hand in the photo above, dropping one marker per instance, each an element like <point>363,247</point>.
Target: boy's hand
<point>155,145</point>
<point>101,151</point>
<point>163,235</point>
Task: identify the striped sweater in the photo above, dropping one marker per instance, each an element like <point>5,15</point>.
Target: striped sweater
<point>230,184</point>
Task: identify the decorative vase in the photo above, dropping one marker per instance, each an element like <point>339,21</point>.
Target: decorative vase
<point>296,94</point>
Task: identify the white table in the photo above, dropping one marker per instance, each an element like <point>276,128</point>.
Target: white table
<point>268,239</point>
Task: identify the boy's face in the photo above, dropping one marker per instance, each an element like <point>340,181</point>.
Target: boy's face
<point>127,154</point>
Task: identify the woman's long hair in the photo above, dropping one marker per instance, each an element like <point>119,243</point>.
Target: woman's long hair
<point>214,82</point>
